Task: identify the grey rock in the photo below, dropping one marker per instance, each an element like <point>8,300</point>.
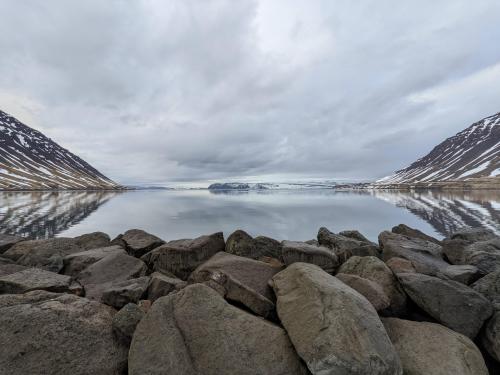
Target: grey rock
<point>414,233</point>
<point>346,247</point>
<point>372,291</point>
<point>356,235</point>
<point>118,294</point>
<point>400,265</point>
<point>8,268</point>
<point>7,241</point>
<point>431,349</point>
<point>181,257</point>
<point>48,333</point>
<point>425,256</point>
<point>374,269</point>
<point>77,262</point>
<point>451,303</point>
<point>240,280</point>
<point>162,285</point>
<point>302,252</point>
<point>138,242</point>
<point>473,234</point>
<point>489,286</point>
<point>463,274</point>
<point>242,244</point>
<point>334,329</point>
<point>125,321</point>
<point>195,331</point>
<point>490,336</point>
<point>111,269</point>
<point>485,255</point>
<point>32,279</point>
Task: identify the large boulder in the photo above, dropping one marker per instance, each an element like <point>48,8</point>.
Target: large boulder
<point>354,234</point>
<point>414,233</point>
<point>242,244</point>
<point>346,247</point>
<point>490,336</point>
<point>489,286</point>
<point>125,321</point>
<point>118,294</point>
<point>431,349</point>
<point>425,256</point>
<point>400,265</point>
<point>372,291</point>
<point>451,303</point>
<point>321,256</point>
<point>465,274</point>
<point>111,269</point>
<point>48,254</point>
<point>162,285</point>
<point>374,269</point>
<point>195,331</point>
<point>32,279</point>
<point>8,268</point>
<point>7,241</point>
<point>48,333</point>
<point>485,254</point>
<point>473,234</point>
<point>138,242</point>
<point>77,262</point>
<point>243,280</point>
<point>181,257</point>
<point>334,329</point>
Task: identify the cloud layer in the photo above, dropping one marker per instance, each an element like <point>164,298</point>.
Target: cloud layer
<point>162,92</point>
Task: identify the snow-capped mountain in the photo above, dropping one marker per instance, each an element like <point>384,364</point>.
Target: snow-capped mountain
<point>29,160</point>
<point>272,186</point>
<point>472,153</point>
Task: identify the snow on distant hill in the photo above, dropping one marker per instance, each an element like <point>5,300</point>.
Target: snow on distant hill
<point>29,160</point>
<point>272,186</point>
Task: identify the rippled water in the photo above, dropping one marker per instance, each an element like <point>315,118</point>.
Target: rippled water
<point>279,214</point>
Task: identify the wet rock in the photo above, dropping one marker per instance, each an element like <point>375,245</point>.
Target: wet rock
<point>32,279</point>
<point>374,269</point>
<point>451,303</point>
<point>118,294</point>
<point>111,269</point>
<point>302,252</point>
<point>333,328</point>
<point>489,286</point>
<point>48,333</point>
<point>48,254</point>
<point>125,321</point>
<point>400,265</point>
<point>7,241</point>
<point>485,255</point>
<point>243,280</point>
<point>138,242</point>
<point>431,349</point>
<point>490,336</point>
<point>162,285</point>
<point>463,274</point>
<point>425,256</point>
<point>372,291</point>
<point>181,257</point>
<point>345,247</point>
<point>405,230</point>
<point>77,262</point>
<point>242,244</point>
<point>174,336</point>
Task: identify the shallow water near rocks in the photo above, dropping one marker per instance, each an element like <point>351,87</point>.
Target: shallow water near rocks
<point>281,214</point>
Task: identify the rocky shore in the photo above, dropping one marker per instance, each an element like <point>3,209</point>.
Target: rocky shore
<point>337,304</point>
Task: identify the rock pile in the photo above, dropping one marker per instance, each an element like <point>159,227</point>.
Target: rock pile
<point>341,304</point>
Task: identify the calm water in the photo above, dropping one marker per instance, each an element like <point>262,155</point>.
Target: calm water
<point>279,214</point>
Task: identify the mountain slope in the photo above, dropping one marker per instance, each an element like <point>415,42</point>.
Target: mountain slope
<point>472,153</point>
<point>29,160</point>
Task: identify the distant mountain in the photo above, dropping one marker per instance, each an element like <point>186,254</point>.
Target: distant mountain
<point>271,186</point>
<point>31,161</point>
<point>474,153</point>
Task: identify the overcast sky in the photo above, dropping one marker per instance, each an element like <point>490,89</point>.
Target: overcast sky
<point>176,91</point>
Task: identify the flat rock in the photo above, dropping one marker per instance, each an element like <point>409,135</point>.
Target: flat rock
<point>119,293</point>
<point>48,333</point>
<point>181,257</point>
<point>162,285</point>
<point>400,265</point>
<point>243,280</point>
<point>490,337</point>
<point>485,254</point>
<point>374,269</point>
<point>414,233</point>
<point>321,256</point>
<point>48,254</point>
<point>431,349</point>
<point>451,303</point>
<point>174,336</point>
<point>465,274</point>
<point>32,279</point>
<point>125,321</point>
<point>138,242</point>
<point>111,269</point>
<point>425,256</point>
<point>242,244</point>
<point>8,268</point>
<point>346,247</point>
<point>372,291</point>
<point>77,262</point>
<point>334,329</point>
<point>489,286</point>
<point>7,241</point>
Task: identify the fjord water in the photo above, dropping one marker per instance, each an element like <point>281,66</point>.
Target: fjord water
<point>281,214</point>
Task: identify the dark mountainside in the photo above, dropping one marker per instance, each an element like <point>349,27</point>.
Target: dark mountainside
<point>474,153</point>
<point>31,161</point>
